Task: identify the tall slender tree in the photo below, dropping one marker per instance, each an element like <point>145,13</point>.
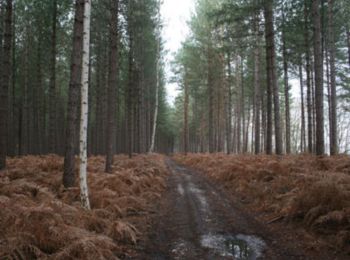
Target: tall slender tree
<point>52,90</point>
<point>333,90</point>
<point>318,67</point>
<point>271,74</point>
<point>4,84</point>
<point>112,84</point>
<point>84,194</point>
<point>73,96</point>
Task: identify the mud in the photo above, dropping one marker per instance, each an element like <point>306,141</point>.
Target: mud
<point>197,220</point>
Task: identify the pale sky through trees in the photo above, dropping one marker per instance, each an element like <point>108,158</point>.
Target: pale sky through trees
<point>175,14</point>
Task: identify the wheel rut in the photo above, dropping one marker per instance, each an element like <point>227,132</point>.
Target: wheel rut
<point>197,221</point>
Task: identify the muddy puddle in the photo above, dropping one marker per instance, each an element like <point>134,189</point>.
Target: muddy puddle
<point>239,247</point>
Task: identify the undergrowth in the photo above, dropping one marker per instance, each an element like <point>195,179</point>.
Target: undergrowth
<point>307,190</point>
<point>41,219</point>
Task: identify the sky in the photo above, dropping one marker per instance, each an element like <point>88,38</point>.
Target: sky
<point>175,14</point>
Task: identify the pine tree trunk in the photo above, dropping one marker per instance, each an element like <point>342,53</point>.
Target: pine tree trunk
<point>130,92</point>
<point>271,76</point>
<point>286,87</point>
<point>303,139</point>
<point>84,195</point>
<point>5,81</point>
<point>186,101</point>
<point>333,92</point>
<point>151,150</point>
<point>73,97</point>
<point>348,42</point>
<point>52,90</point>
<point>308,79</point>
<point>318,65</point>
<point>112,85</point>
<point>229,106</point>
<point>257,91</point>
<point>211,102</point>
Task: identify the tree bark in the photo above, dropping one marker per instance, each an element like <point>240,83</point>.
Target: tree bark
<point>308,79</point>
<point>84,195</point>
<point>333,90</point>
<point>52,139</point>
<point>211,102</point>
<point>130,92</point>
<point>348,42</point>
<point>257,94</point>
<point>186,101</point>
<point>286,86</point>
<point>229,106</point>
<point>112,85</point>
<point>4,86</point>
<point>271,76</point>
<point>303,139</point>
<point>73,96</point>
<point>318,67</point>
<point>151,150</point>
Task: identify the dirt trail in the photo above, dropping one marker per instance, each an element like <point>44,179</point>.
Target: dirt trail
<point>198,221</point>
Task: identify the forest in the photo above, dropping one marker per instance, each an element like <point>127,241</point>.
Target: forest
<point>249,161</point>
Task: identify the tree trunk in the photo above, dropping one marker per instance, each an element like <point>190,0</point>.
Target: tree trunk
<point>112,85</point>
<point>229,106</point>
<point>5,81</point>
<point>271,75</point>
<point>318,65</point>
<point>84,195</point>
<point>73,96</point>
<point>52,90</point>
<point>333,92</point>
<point>308,79</point>
<point>257,94</point>
<point>130,92</point>
<point>348,42</point>
<point>286,86</point>
<point>211,103</point>
<point>186,101</point>
<point>303,139</point>
<point>151,150</point>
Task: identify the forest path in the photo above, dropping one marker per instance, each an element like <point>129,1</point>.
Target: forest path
<point>197,221</point>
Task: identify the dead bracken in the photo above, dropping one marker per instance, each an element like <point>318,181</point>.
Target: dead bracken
<point>41,219</point>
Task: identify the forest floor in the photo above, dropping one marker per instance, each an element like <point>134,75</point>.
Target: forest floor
<point>186,207</point>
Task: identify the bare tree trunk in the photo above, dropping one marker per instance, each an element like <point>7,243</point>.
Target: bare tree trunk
<point>130,91</point>
<point>112,86</point>
<point>333,89</point>
<point>52,90</point>
<point>151,150</point>
<point>73,96</point>
<point>84,194</point>
<point>318,79</point>
<point>186,101</point>
<point>257,94</point>
<point>5,81</point>
<point>229,106</point>
<point>308,79</point>
<point>286,87</point>
<point>348,42</point>
<point>211,103</point>
<point>271,73</point>
<point>303,139</point>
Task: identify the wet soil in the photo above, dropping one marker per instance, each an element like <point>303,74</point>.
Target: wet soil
<point>198,220</point>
